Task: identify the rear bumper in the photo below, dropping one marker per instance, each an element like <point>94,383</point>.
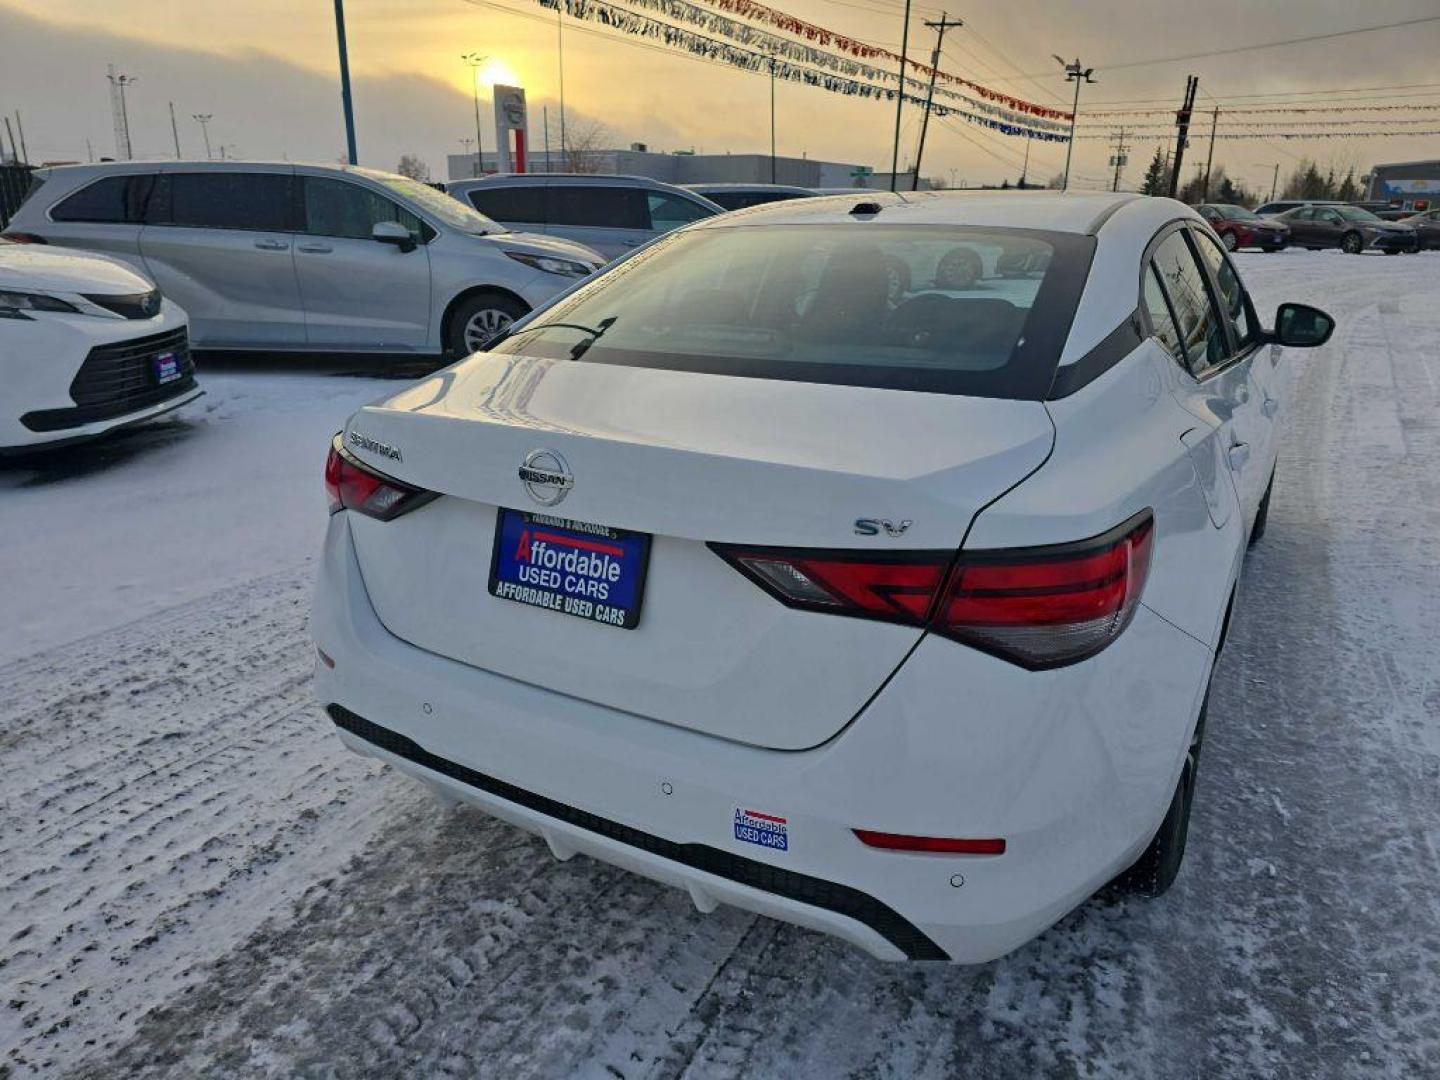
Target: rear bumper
<point>1073,768</point>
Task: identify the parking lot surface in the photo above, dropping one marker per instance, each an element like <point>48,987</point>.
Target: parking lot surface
<point>198,880</point>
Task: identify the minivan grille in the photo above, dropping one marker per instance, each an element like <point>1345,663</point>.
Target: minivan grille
<point>118,379</point>
<point>144,305</point>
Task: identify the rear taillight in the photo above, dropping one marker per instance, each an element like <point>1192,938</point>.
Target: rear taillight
<point>24,238</point>
<point>349,485</point>
<point>1037,607</point>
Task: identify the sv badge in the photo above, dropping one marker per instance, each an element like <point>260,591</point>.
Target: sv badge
<point>872,527</point>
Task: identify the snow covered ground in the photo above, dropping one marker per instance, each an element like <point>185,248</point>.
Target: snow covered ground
<point>196,880</point>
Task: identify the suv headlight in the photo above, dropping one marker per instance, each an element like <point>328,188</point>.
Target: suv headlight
<point>13,305</point>
<point>550,264</point>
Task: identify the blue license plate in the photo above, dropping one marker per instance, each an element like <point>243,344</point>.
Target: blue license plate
<point>167,368</point>
<point>593,572</point>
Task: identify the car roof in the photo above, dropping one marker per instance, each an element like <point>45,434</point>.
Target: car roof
<point>608,179</point>
<point>720,187</point>
<point>1072,212</point>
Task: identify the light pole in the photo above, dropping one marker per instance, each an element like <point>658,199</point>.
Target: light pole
<point>345,83</point>
<point>1275,177</point>
<point>1077,74</point>
<point>772,119</point>
<point>122,117</point>
<point>474,60</point>
<point>203,119</point>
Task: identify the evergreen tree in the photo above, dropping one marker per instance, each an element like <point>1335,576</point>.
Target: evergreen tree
<point>1349,190</point>
<point>1156,182</point>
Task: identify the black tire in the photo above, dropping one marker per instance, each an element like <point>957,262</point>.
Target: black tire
<point>1262,516</point>
<point>492,311</point>
<point>1352,243</point>
<point>1393,251</point>
<point>1228,239</point>
<point>1156,869</point>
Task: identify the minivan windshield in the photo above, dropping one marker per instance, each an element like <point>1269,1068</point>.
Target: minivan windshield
<point>977,311</point>
<point>437,204</point>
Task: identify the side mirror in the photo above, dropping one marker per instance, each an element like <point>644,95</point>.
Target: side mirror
<point>392,232</point>
<point>1300,326</point>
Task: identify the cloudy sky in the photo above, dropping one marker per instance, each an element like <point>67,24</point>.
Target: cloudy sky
<point>266,71</point>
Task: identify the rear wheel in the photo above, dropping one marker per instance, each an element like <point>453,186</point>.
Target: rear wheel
<point>478,320</point>
<point>1228,239</point>
<point>1352,243</point>
<point>1155,871</point>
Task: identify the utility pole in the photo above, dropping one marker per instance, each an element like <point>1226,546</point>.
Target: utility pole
<point>1210,157</point>
<point>118,111</point>
<point>14,150</point>
<point>1119,158</point>
<point>1275,182</point>
<point>203,118</point>
<point>560,56</point>
<point>24,150</point>
<point>1076,73</point>
<point>1025,168</point>
<point>89,153</point>
<point>545,113</point>
<point>344,84</point>
<point>475,59</point>
<point>772,119</point>
<point>1182,132</point>
<point>174,130</point>
<point>900,95</point>
<point>940,27</point>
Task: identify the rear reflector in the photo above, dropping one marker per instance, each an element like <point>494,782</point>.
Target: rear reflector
<point>350,485</point>
<point>943,845</point>
<point>1037,607</point>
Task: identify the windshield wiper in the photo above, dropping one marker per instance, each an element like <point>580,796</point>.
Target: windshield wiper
<point>593,332</point>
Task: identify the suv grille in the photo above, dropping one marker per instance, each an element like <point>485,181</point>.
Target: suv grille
<point>144,305</point>
<point>119,379</point>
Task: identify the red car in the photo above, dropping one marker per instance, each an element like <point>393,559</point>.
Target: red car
<point>1239,228</point>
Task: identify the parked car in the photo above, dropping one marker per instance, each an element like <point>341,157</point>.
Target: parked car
<point>1427,228</point>
<point>276,256</point>
<point>1384,209</point>
<point>739,196</point>
<point>1348,228</point>
<point>1271,209</point>
<point>611,214</point>
<point>87,345</point>
<point>670,574</point>
<point>1241,228</point>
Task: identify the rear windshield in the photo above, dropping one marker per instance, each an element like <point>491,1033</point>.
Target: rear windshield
<point>981,312</point>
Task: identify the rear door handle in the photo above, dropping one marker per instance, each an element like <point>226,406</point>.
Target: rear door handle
<point>315,249</point>
<point>1239,455</point>
<point>271,245</point>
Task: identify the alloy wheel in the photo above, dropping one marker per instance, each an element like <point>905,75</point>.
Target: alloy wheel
<point>483,326</point>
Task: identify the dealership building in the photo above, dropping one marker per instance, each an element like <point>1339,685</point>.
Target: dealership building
<point>1415,185</point>
<point>688,168</point>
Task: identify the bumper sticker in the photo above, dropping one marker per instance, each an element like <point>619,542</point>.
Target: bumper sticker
<point>764,830</point>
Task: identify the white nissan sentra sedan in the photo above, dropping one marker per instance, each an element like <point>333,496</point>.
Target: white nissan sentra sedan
<point>769,566</point>
<point>87,345</point>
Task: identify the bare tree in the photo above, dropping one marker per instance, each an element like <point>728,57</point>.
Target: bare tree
<point>585,142</point>
<point>410,165</point>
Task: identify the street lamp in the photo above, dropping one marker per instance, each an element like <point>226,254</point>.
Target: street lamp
<point>1077,74</point>
<point>204,121</point>
<point>475,60</point>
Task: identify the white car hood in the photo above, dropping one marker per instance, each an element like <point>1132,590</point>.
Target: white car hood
<point>540,244</point>
<point>35,268</point>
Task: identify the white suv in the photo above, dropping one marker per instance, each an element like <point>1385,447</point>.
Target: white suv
<point>277,256</point>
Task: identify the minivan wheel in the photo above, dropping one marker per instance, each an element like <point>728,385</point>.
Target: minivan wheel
<point>1262,516</point>
<point>478,320</point>
<point>1156,869</point>
<point>1228,239</point>
<point>1352,243</point>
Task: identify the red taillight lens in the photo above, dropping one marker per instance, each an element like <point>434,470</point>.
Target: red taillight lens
<point>1037,607</point>
<point>943,845</point>
<point>349,485</point>
<point>1043,607</point>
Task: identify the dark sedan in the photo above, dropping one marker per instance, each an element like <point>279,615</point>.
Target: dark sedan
<point>1348,228</point>
<point>1427,228</point>
<point>1241,228</point>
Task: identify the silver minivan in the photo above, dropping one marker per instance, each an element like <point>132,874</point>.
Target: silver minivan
<point>611,214</point>
<point>280,256</point>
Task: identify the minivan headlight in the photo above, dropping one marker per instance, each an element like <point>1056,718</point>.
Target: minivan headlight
<point>550,264</point>
<point>13,305</point>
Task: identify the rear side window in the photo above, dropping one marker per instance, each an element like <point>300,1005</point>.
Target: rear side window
<point>597,206</point>
<point>1202,337</point>
<point>115,200</point>
<point>252,202</point>
<point>670,211</point>
<point>974,311</point>
<point>507,204</point>
<point>1160,317</point>
<point>340,208</point>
